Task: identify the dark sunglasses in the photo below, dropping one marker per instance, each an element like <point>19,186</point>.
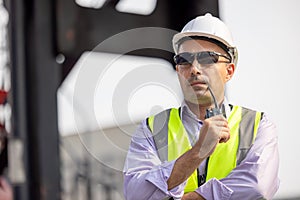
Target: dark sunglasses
<point>203,58</point>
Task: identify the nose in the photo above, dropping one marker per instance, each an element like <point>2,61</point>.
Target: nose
<point>195,68</point>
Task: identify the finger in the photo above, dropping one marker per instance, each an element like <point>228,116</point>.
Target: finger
<point>224,136</point>
<point>224,139</point>
<point>218,128</point>
<point>216,125</point>
<point>218,118</point>
<point>221,124</point>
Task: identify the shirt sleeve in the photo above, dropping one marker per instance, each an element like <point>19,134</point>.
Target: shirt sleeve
<point>145,176</point>
<point>257,175</point>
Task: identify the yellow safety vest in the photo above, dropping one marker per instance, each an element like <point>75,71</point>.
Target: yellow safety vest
<point>243,125</point>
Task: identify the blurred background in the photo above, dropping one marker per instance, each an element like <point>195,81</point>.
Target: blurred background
<point>77,77</point>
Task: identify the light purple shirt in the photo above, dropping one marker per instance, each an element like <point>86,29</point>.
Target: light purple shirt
<point>145,176</point>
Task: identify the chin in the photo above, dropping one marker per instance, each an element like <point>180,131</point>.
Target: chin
<point>205,101</point>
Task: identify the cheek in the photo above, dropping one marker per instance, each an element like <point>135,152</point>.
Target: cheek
<point>224,74</point>
<point>217,80</point>
<point>182,81</point>
<point>219,76</point>
<point>183,76</point>
<point>185,86</point>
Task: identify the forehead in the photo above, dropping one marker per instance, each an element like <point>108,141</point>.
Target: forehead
<point>199,45</point>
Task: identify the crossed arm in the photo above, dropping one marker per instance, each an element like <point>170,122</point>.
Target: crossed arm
<point>145,177</point>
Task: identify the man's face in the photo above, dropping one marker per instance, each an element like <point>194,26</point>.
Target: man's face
<point>194,78</point>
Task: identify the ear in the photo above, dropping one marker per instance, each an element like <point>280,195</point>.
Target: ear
<point>230,71</point>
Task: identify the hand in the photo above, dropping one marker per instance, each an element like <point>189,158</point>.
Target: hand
<point>192,196</point>
<point>5,190</point>
<point>214,130</point>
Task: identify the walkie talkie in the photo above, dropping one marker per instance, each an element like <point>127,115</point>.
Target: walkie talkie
<point>213,111</point>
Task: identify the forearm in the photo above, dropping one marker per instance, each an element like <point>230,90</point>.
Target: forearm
<point>257,175</point>
<point>145,176</point>
<point>184,166</point>
<point>137,188</point>
<point>253,179</point>
<point>192,196</point>
<point>151,183</point>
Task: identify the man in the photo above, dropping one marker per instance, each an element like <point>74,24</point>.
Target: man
<point>206,149</point>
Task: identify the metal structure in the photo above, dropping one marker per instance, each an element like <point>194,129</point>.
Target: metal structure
<point>4,87</point>
<point>81,29</point>
<point>39,31</point>
<point>36,77</point>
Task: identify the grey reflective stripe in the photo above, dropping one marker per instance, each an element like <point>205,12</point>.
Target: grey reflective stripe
<point>160,134</point>
<point>246,130</point>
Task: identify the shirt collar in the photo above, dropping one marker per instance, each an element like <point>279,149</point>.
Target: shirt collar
<point>186,110</point>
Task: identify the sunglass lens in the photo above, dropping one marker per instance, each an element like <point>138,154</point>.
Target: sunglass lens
<point>184,58</point>
<point>207,57</point>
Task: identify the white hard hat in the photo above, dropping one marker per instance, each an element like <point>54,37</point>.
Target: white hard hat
<point>210,27</point>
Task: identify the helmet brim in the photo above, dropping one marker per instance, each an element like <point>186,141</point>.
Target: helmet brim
<point>179,36</point>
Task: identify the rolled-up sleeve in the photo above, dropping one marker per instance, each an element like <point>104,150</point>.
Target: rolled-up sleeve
<point>145,176</point>
<point>257,175</point>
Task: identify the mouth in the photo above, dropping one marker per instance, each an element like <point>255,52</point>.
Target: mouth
<point>198,83</point>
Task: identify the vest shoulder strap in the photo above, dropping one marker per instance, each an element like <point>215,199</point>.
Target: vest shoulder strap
<point>160,133</point>
<point>247,132</point>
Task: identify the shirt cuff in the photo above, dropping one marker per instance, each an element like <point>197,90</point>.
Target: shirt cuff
<point>160,176</point>
<point>214,189</point>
